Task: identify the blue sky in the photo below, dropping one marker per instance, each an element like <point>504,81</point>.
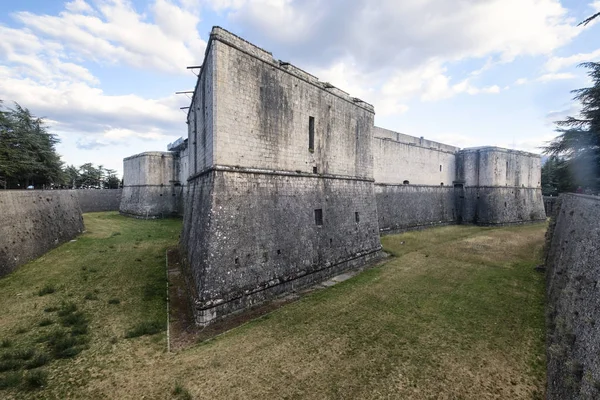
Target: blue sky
<point>470,73</point>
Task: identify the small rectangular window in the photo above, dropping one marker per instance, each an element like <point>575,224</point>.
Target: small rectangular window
<point>357,217</point>
<point>319,216</point>
<point>311,134</point>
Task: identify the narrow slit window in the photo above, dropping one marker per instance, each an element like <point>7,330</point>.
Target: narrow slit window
<point>440,167</point>
<point>319,216</point>
<point>357,217</point>
<point>311,134</point>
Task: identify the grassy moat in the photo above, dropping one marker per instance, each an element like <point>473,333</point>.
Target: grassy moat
<point>458,312</point>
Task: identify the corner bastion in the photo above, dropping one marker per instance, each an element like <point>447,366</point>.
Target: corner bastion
<point>281,180</point>
<point>152,185</point>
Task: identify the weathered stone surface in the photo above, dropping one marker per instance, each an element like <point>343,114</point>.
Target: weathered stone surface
<point>403,207</point>
<point>150,186</point>
<point>573,299</point>
<point>94,200</point>
<point>35,221</point>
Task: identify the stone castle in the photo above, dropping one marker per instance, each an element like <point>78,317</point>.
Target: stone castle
<point>284,181</point>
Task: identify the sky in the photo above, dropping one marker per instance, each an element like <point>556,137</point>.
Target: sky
<point>103,73</point>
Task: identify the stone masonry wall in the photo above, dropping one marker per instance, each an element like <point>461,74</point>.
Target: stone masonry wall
<point>402,207</point>
<point>500,186</point>
<point>35,221</point>
<point>94,200</point>
<point>573,299</point>
<point>260,237</point>
<point>398,158</point>
<point>263,111</point>
<point>148,186</point>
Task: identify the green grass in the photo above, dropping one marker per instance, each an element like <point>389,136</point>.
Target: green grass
<point>456,313</point>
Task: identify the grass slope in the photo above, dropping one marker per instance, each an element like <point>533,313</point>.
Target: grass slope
<point>457,313</point>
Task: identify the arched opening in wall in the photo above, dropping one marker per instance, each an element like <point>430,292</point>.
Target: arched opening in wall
<point>442,184</point>
<point>406,183</point>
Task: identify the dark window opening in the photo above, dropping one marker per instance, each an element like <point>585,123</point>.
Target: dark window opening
<point>265,256</point>
<point>237,260</point>
<point>442,184</point>
<point>319,216</point>
<point>315,170</point>
<point>330,241</point>
<point>311,134</point>
<point>357,217</point>
<point>406,183</point>
<point>278,251</point>
<point>440,167</point>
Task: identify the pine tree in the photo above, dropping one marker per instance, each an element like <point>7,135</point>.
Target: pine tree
<point>579,140</point>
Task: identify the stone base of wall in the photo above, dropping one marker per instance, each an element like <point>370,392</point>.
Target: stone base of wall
<point>250,236</point>
<point>502,205</point>
<point>573,299</point>
<point>35,221</point>
<point>149,202</point>
<point>279,287</point>
<point>406,207</point>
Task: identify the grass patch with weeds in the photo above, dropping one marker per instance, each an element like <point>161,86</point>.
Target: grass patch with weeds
<point>181,392</point>
<point>114,301</point>
<point>90,296</point>
<point>48,289</point>
<point>5,343</point>
<point>10,380</point>
<point>145,328</point>
<point>36,378</point>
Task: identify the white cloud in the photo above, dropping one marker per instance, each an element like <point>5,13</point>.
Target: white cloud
<point>557,63</point>
<point>555,77</point>
<point>521,81</point>
<point>117,34</point>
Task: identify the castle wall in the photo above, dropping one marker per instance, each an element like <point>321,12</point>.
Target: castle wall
<point>35,221</point>
<point>501,186</point>
<point>427,167</point>
<point>403,207</point>
<point>271,213</point>
<point>148,186</point>
<point>573,299</point>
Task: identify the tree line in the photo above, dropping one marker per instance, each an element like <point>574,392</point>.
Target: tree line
<point>28,157</point>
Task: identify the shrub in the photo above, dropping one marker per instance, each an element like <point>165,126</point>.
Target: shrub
<point>48,289</point>
<point>36,378</point>
<point>10,365</point>
<point>10,380</point>
<point>51,309</point>
<point>114,301</point>
<point>181,392</point>
<point>5,343</point>
<point>145,328</point>
<point>46,322</point>
<point>66,309</point>
<point>90,296</point>
<point>18,354</point>
<point>40,359</point>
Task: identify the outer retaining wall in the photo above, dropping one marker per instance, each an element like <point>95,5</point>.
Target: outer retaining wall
<point>550,205</point>
<point>402,207</point>
<point>95,200</point>
<point>34,222</point>
<point>573,299</point>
